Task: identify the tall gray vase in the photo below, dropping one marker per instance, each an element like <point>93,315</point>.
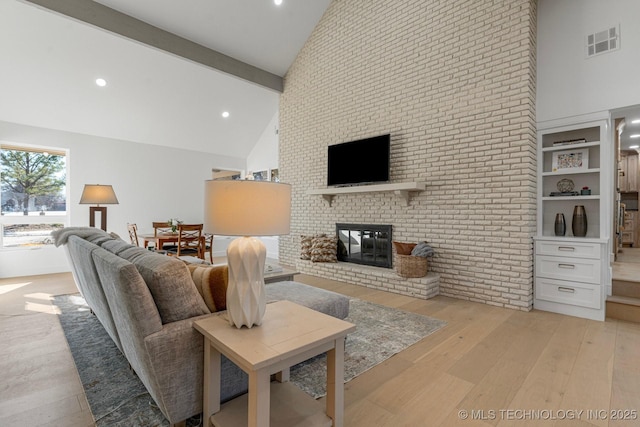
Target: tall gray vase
<point>560,225</point>
<point>579,221</point>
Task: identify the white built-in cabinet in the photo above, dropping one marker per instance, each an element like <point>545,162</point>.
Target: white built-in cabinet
<point>571,272</point>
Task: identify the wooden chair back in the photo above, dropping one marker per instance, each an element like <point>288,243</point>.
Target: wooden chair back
<point>207,246</point>
<point>190,240</point>
<point>161,227</point>
<point>133,233</point>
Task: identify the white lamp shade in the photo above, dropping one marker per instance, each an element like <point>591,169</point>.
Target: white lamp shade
<point>247,208</point>
<point>96,194</point>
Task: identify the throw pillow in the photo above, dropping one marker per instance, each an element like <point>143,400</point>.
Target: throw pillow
<point>212,284</point>
<point>324,249</point>
<point>305,246</point>
<point>306,242</point>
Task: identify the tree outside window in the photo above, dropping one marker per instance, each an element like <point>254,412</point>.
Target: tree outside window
<point>33,197</point>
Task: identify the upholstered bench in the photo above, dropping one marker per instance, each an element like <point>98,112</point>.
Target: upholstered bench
<point>321,300</point>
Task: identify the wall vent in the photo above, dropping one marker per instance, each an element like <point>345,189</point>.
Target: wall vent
<point>603,41</point>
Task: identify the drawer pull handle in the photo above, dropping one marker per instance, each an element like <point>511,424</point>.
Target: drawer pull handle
<point>566,248</point>
<point>568,266</point>
<point>568,290</point>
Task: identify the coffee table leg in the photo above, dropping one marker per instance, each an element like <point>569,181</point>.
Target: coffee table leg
<point>335,383</point>
<point>211,385</point>
<point>259,398</point>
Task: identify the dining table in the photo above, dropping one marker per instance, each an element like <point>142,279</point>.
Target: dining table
<point>159,239</point>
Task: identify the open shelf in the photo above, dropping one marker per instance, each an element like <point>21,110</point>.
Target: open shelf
<point>571,146</point>
<point>401,189</point>
<point>289,407</point>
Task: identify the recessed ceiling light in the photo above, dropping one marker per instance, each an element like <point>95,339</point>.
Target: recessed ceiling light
<point>277,2</point>
<point>225,114</point>
<point>635,122</point>
<point>635,146</point>
<point>101,82</point>
<point>635,135</point>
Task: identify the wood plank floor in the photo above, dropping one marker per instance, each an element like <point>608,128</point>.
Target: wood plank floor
<point>488,367</point>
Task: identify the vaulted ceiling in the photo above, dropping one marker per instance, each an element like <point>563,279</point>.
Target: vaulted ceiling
<point>172,68</point>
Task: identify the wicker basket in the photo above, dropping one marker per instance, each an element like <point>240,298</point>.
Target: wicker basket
<point>411,266</point>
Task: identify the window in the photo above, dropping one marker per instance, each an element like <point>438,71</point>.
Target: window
<point>33,197</point>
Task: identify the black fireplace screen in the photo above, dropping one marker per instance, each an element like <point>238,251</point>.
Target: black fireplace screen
<point>368,244</point>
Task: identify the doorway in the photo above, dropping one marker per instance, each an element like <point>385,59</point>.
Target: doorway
<point>626,137</point>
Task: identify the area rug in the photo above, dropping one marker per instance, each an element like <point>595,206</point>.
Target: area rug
<point>118,398</point>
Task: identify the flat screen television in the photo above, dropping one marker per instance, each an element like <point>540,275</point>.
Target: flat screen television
<point>363,161</point>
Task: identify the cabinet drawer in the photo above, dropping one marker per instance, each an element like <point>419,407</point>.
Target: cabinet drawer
<point>580,294</point>
<point>574,269</point>
<point>568,249</point>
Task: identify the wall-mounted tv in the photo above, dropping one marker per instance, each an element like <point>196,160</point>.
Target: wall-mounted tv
<point>363,161</point>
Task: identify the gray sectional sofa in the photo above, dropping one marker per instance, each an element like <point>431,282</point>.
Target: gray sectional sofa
<point>147,303</point>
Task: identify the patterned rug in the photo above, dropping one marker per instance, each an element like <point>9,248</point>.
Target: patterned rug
<point>118,398</point>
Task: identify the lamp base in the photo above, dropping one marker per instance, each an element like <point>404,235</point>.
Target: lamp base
<point>103,216</point>
<point>246,298</point>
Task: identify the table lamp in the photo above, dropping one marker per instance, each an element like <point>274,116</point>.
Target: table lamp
<point>247,209</point>
<point>98,194</point>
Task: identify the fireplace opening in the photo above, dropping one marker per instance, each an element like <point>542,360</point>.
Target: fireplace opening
<point>368,244</point>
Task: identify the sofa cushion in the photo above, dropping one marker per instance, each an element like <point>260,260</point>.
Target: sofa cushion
<point>99,239</point>
<point>322,300</point>
<point>211,282</point>
<point>170,283</point>
<point>115,246</point>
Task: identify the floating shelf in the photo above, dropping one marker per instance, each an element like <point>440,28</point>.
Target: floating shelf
<point>401,189</point>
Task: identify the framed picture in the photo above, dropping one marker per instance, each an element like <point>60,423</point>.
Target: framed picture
<point>570,160</point>
<point>275,177</point>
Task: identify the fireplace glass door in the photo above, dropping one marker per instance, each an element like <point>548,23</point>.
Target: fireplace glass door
<point>368,244</point>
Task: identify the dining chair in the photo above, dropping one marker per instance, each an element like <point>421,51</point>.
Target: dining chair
<point>189,241</point>
<point>133,233</point>
<point>160,227</point>
<point>207,246</point>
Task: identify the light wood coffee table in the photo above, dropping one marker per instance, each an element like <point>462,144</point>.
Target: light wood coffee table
<point>289,334</point>
<point>280,275</point>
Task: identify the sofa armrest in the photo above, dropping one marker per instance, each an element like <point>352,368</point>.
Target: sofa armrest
<point>176,356</point>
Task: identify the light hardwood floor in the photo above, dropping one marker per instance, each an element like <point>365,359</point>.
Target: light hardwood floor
<point>497,366</point>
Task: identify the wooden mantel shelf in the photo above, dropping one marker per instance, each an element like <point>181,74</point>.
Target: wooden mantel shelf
<point>402,189</point>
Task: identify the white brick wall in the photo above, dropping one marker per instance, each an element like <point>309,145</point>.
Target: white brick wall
<point>454,83</point>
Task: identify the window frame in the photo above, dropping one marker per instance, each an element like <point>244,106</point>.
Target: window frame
<point>63,219</point>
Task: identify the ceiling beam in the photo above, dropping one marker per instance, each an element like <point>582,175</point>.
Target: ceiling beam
<point>109,19</point>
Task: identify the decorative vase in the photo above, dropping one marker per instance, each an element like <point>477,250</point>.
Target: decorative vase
<point>560,225</point>
<point>579,221</point>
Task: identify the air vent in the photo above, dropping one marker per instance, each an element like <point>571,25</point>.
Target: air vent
<point>603,41</point>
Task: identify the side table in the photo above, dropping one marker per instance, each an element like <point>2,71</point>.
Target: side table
<point>289,334</point>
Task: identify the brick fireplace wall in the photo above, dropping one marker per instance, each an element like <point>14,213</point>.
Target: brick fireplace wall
<point>454,83</point>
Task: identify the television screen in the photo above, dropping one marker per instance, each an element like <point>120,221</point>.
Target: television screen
<point>359,162</point>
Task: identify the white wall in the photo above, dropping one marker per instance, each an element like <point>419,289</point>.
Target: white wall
<point>569,83</point>
<point>264,155</point>
<point>152,183</point>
